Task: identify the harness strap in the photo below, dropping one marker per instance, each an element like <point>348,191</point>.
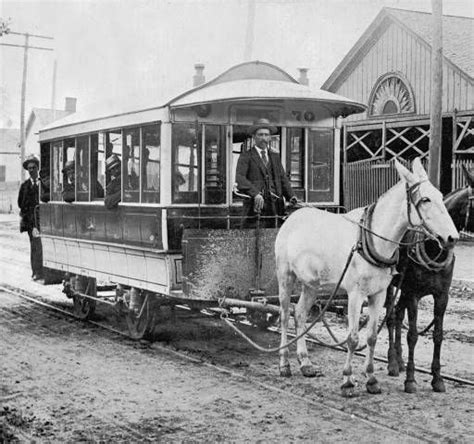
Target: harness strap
<point>365,244</point>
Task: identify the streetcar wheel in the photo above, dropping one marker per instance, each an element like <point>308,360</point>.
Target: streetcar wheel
<point>84,307</point>
<point>141,322</point>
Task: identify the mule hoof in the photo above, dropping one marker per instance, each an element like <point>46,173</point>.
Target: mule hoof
<point>373,386</point>
<point>348,390</point>
<point>438,386</point>
<point>393,370</point>
<point>410,387</point>
<point>285,371</point>
<point>310,371</point>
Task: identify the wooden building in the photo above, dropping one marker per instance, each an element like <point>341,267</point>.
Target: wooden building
<point>389,69</point>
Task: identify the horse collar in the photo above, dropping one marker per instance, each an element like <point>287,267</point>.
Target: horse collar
<point>365,244</point>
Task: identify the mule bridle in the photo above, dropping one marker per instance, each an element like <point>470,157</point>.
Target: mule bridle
<point>365,245</point>
<point>414,198</point>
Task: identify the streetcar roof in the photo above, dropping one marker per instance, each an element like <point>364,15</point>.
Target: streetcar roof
<point>256,89</point>
<point>258,80</point>
<point>249,81</point>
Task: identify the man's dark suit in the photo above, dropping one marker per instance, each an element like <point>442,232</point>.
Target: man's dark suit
<point>28,201</point>
<point>253,177</point>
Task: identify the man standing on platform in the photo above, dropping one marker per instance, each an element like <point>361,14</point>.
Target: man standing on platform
<point>28,202</point>
<point>261,176</point>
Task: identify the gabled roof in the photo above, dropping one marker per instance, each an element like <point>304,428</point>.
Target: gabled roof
<point>44,116</point>
<point>458,39</point>
<point>9,140</point>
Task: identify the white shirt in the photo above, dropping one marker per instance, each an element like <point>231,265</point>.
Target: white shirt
<point>260,150</point>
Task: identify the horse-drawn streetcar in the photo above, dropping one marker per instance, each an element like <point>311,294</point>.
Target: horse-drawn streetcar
<point>143,199</point>
<point>175,233</point>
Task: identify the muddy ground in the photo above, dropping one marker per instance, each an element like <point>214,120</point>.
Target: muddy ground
<point>65,381</point>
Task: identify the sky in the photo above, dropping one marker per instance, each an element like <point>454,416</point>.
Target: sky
<point>109,48</point>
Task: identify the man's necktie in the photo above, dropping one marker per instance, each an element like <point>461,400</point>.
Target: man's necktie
<point>265,157</point>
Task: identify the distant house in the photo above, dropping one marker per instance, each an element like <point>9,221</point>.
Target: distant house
<point>9,154</point>
<point>39,118</point>
<point>10,159</point>
<point>389,69</point>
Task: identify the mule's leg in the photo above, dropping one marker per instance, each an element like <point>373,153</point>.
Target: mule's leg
<point>412,338</point>
<point>285,285</point>
<point>392,353</point>
<point>399,316</point>
<point>305,303</point>
<point>355,300</point>
<point>375,305</point>
<point>440,304</point>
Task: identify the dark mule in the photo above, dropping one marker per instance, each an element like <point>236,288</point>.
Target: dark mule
<point>428,270</point>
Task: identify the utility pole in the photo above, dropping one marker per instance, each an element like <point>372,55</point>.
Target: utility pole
<point>249,33</point>
<point>436,118</point>
<point>53,93</point>
<point>26,48</point>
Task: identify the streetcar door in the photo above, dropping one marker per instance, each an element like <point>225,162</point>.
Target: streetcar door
<point>321,165</point>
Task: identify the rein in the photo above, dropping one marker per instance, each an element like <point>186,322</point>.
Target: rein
<point>419,255</point>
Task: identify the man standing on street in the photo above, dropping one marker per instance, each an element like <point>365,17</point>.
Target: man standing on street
<point>261,176</point>
<point>28,202</point>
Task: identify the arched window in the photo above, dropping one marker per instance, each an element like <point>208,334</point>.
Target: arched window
<point>391,95</point>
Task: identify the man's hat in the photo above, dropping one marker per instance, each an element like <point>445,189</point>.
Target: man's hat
<point>31,158</point>
<point>68,166</point>
<point>112,161</point>
<point>262,123</point>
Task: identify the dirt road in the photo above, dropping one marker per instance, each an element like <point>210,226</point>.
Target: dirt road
<point>67,381</point>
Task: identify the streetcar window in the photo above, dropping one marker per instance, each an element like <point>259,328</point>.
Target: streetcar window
<point>185,156</point>
<point>113,145</point>
<point>68,170</point>
<point>82,168</point>
<point>45,172</point>
<point>295,160</point>
<point>151,157</point>
<point>131,164</point>
<point>97,161</point>
<point>215,164</point>
<point>57,175</point>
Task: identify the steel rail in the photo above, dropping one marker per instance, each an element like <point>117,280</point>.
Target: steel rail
<point>215,314</point>
<point>226,371</point>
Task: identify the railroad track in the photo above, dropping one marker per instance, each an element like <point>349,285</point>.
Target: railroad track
<point>333,407</point>
<point>210,313</point>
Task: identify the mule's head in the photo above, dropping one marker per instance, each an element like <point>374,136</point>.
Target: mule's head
<point>425,207</point>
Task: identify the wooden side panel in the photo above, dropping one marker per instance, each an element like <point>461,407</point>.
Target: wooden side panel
<point>119,264</point>
<point>45,219</point>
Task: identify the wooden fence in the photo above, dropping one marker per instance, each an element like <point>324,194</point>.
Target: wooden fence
<point>365,181</point>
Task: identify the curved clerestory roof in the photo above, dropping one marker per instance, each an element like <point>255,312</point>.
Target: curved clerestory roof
<point>259,80</point>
